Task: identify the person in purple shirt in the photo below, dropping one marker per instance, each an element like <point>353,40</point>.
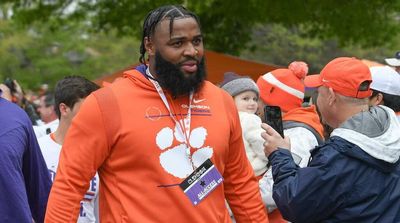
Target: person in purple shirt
<point>24,179</point>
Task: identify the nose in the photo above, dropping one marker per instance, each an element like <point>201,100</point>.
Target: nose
<point>191,50</point>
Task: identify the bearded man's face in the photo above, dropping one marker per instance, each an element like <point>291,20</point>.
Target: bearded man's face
<point>171,77</point>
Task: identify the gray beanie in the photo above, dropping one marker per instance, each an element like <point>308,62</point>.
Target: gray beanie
<point>235,84</point>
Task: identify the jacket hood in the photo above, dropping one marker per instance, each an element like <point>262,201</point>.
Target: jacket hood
<point>376,132</point>
<point>138,76</point>
<point>307,115</point>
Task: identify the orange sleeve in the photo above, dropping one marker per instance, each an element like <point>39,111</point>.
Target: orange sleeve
<point>84,150</point>
<point>241,186</point>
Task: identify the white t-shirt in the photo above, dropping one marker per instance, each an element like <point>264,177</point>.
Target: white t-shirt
<point>51,153</point>
<point>42,130</point>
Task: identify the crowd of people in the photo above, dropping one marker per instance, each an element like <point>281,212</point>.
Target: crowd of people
<point>163,144</point>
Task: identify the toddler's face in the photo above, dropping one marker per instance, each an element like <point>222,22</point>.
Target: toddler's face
<point>246,101</point>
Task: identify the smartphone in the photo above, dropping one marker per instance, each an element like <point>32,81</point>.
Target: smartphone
<point>273,117</point>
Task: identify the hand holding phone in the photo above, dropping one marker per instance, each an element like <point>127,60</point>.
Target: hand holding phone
<point>273,117</point>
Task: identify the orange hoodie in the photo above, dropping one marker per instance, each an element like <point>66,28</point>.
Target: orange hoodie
<point>142,163</point>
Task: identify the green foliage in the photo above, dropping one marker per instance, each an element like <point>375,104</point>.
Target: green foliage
<point>45,40</point>
<point>39,55</point>
<point>367,23</point>
<point>278,45</point>
<point>227,24</point>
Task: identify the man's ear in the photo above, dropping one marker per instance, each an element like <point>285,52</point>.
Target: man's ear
<point>63,109</point>
<point>379,99</point>
<point>149,46</point>
<point>331,96</point>
<point>376,100</point>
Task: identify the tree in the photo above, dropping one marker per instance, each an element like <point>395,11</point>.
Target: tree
<point>41,55</point>
<point>287,45</point>
<point>227,25</point>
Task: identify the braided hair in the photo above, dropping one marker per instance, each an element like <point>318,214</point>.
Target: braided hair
<point>156,16</point>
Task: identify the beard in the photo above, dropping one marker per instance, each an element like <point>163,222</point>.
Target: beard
<point>171,78</point>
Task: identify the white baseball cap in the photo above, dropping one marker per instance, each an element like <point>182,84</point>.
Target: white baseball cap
<point>385,79</point>
<point>394,62</point>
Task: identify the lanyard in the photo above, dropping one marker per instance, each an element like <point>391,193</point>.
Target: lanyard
<point>184,130</point>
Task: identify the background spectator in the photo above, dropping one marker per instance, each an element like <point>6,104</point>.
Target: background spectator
<point>69,94</point>
<point>385,88</point>
<point>25,182</point>
<point>394,61</point>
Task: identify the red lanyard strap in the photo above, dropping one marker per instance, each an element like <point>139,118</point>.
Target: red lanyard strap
<point>183,128</point>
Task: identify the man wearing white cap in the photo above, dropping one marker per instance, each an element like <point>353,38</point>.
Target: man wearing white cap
<point>385,88</point>
<point>394,62</point>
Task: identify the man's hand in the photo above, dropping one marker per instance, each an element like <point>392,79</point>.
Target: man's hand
<point>273,140</point>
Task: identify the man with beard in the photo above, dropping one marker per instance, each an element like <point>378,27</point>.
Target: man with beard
<point>166,143</point>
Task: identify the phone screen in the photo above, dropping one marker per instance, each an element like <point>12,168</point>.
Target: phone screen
<point>273,117</point>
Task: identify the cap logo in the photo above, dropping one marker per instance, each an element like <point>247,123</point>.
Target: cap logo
<point>324,80</point>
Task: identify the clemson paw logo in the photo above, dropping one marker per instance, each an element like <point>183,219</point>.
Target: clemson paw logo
<point>174,159</point>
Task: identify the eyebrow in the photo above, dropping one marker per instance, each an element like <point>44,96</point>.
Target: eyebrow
<point>172,38</point>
